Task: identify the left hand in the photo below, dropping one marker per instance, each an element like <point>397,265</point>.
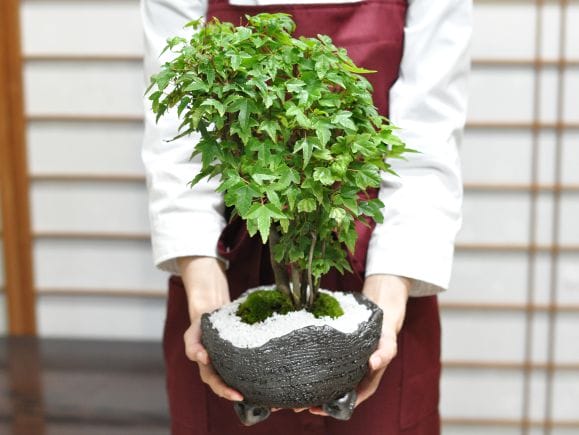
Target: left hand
<point>389,292</point>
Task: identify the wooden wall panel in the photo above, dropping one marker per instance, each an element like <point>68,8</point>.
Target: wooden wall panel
<point>13,181</point>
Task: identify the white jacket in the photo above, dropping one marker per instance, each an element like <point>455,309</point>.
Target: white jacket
<point>423,206</point>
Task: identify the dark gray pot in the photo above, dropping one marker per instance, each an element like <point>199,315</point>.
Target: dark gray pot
<point>308,367</point>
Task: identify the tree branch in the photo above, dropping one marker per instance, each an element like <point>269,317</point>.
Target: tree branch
<point>279,271</point>
<point>311,290</point>
<point>296,286</point>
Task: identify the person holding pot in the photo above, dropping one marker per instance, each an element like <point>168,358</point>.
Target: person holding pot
<point>420,52</point>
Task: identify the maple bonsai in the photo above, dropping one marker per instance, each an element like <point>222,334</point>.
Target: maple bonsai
<point>290,128</point>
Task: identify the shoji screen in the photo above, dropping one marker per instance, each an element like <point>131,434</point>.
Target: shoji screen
<point>511,317</point>
<point>84,83</point>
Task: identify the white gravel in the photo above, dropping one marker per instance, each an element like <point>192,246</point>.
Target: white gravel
<point>231,328</point>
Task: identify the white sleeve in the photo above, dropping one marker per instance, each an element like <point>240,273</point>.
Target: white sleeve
<point>422,213</point>
<point>184,221</point>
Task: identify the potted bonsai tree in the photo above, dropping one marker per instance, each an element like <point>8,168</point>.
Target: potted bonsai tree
<point>289,127</point>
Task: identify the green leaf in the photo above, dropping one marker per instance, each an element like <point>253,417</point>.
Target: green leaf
<point>163,78</point>
<point>372,209</point>
<point>270,127</point>
<point>230,181</point>
<point>268,100</point>
<point>356,70</point>
<point>349,237</point>
<point>273,197</point>
<point>322,66</point>
<point>338,214</point>
<point>306,146</point>
<point>284,224</point>
<point>324,154</point>
<point>291,195</point>
<point>323,132</point>
<point>274,211</point>
<point>244,196</point>
<point>300,117</point>
<point>251,226</point>
<point>342,118</point>
<point>196,86</point>
<point>260,177</point>
<point>194,23</point>
<point>214,103</point>
<point>263,224</point>
<point>324,176</point>
<point>243,113</point>
<point>367,177</point>
<point>183,105</point>
<point>287,176</point>
<point>307,205</point>
<point>264,214</point>
<point>335,77</point>
<point>294,85</point>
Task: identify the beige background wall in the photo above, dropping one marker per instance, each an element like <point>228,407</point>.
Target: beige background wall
<point>83,81</point>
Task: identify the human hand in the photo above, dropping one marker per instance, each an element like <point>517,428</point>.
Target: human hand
<point>390,293</point>
<point>207,290</point>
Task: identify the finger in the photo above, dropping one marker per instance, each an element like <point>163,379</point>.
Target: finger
<point>211,378</point>
<point>276,409</point>
<point>299,409</point>
<point>194,349</point>
<point>318,411</point>
<point>386,351</point>
<point>368,385</point>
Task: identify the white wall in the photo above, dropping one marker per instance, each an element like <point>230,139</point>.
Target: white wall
<point>499,93</point>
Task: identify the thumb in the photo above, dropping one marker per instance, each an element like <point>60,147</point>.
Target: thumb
<point>194,349</point>
<point>387,349</point>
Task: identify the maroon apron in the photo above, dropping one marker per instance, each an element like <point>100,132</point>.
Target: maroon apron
<point>406,401</point>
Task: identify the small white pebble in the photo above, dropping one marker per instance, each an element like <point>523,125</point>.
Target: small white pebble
<point>240,334</point>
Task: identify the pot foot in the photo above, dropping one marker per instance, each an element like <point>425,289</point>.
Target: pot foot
<point>251,414</point>
<point>343,407</point>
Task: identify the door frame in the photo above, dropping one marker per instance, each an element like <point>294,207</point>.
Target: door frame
<point>16,232</point>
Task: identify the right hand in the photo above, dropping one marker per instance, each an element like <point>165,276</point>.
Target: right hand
<point>207,290</point>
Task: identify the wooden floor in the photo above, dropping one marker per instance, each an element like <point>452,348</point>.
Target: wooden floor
<point>81,387</point>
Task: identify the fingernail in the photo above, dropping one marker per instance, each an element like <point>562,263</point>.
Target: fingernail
<point>375,362</point>
<point>200,357</point>
<point>236,397</point>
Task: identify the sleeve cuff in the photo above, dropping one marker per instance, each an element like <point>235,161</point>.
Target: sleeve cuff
<point>197,237</point>
<point>425,262</point>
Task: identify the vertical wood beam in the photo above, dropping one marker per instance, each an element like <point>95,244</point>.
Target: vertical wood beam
<point>14,178</point>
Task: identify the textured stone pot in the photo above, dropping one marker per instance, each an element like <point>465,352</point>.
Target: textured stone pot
<point>310,366</point>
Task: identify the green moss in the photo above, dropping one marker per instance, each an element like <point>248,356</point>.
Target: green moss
<point>326,305</point>
<point>261,304</point>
